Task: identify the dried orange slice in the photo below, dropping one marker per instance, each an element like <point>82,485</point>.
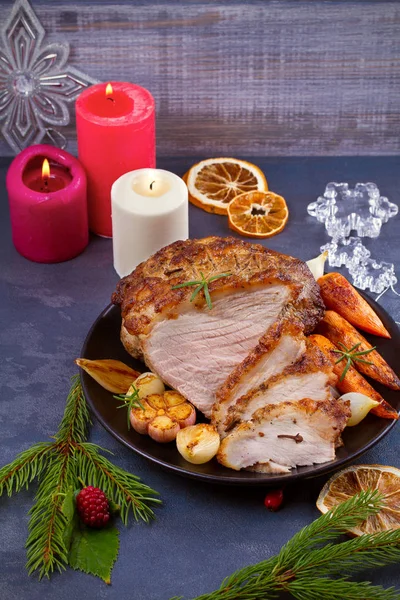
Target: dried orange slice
<point>258,214</point>
<point>214,182</point>
<point>354,479</point>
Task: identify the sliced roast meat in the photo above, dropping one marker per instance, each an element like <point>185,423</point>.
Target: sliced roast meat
<point>195,352</point>
<point>283,436</point>
<point>282,345</point>
<point>193,348</point>
<point>309,377</point>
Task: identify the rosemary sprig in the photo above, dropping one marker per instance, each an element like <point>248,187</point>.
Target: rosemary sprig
<point>61,466</point>
<point>130,401</point>
<point>350,356</point>
<point>201,284</point>
<point>305,567</point>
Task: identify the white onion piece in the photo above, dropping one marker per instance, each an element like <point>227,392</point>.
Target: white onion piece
<point>316,265</point>
<point>198,443</point>
<point>147,384</point>
<point>360,405</point>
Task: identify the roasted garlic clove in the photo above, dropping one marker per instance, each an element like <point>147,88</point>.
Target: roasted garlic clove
<point>163,429</point>
<point>198,444</point>
<point>163,414</point>
<point>173,398</point>
<point>184,414</point>
<point>156,401</point>
<point>360,405</point>
<point>141,418</point>
<point>316,265</point>
<point>113,375</point>
<point>148,384</point>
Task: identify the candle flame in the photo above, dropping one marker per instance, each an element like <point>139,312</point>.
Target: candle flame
<point>45,169</point>
<point>109,90</point>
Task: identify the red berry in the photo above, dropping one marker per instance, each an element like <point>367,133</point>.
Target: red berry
<point>93,507</point>
<point>273,500</point>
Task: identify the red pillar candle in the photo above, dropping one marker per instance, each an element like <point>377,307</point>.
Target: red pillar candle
<point>47,195</point>
<point>116,133</point>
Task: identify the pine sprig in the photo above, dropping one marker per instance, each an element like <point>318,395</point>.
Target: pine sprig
<point>365,552</point>
<point>123,488</point>
<point>59,465</point>
<point>333,589</point>
<point>45,545</point>
<point>76,419</point>
<point>25,467</point>
<point>303,565</point>
<point>331,525</point>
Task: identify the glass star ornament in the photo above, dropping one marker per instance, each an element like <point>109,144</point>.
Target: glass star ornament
<point>373,275</point>
<point>36,84</point>
<point>361,209</point>
<point>346,251</point>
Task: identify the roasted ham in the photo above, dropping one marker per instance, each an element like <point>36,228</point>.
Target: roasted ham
<point>285,435</point>
<point>194,349</point>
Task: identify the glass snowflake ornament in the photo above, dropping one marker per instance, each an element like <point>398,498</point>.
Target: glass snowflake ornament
<point>343,209</point>
<point>346,251</point>
<point>36,84</point>
<point>373,275</point>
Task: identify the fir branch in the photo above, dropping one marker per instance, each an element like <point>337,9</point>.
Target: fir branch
<point>121,487</point>
<point>332,589</point>
<point>301,562</point>
<point>25,467</point>
<point>331,525</point>
<point>60,464</point>
<point>364,552</point>
<point>76,420</point>
<point>45,545</point>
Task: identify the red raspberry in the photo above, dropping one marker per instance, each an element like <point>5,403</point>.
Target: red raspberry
<point>92,506</point>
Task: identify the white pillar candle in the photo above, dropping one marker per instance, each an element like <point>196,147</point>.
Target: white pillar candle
<point>149,211</point>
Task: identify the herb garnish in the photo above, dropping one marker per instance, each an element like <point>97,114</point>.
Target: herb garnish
<point>351,357</point>
<point>202,284</point>
<point>130,401</point>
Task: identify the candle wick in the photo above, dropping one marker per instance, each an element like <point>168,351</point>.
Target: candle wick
<point>111,99</point>
<point>151,185</point>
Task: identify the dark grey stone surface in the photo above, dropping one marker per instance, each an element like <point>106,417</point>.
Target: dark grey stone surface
<point>202,532</point>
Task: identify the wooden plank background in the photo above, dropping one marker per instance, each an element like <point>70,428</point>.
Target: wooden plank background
<point>304,77</point>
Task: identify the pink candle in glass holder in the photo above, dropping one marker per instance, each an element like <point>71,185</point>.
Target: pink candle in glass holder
<point>47,195</point>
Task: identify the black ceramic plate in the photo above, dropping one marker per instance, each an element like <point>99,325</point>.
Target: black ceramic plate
<point>103,342</point>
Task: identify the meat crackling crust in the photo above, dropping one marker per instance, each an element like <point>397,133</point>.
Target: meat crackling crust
<point>146,295</point>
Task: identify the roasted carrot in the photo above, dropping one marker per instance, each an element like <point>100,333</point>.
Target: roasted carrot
<point>353,381</point>
<point>345,336</point>
<point>338,294</point>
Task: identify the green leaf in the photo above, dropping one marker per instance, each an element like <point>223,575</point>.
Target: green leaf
<point>72,521</point>
<point>94,551</point>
